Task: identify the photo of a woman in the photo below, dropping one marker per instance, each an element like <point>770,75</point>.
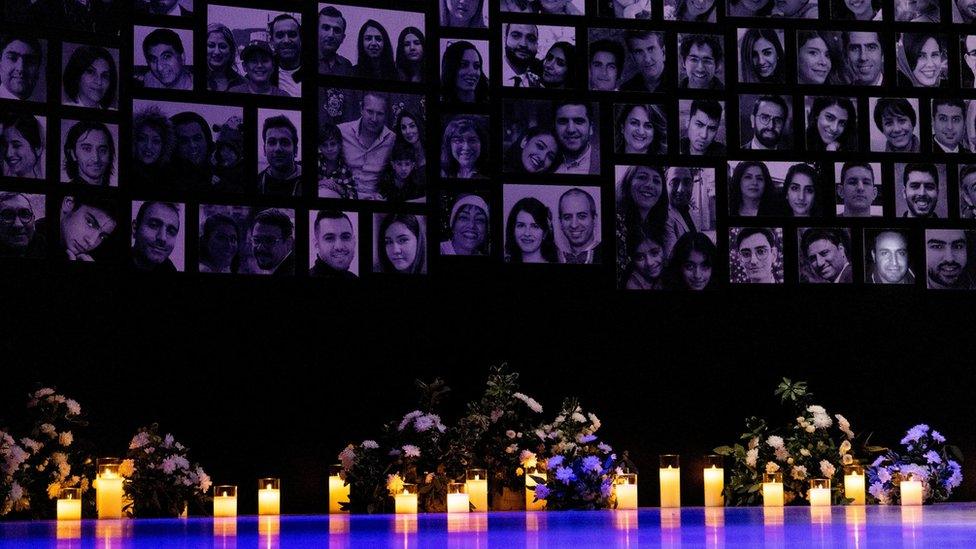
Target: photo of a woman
<point>221,52</point>
<point>21,146</point>
<point>856,10</point>
<point>91,78</point>
<point>464,148</point>
<point>468,227</point>
<point>401,244</point>
<point>410,128</point>
<point>536,151</point>
<point>463,13</point>
<point>832,124</point>
<point>463,78</point>
<point>922,60</point>
<point>375,58</point>
<point>641,129</point>
<point>897,121</point>
<point>219,239</point>
<point>818,58</point>
<point>152,145</point>
<point>558,66</point>
<point>802,196</point>
<point>648,261</point>
<point>529,236</point>
<point>692,261</point>
<point>410,55</point>
<point>751,191</point>
<point>761,57</point>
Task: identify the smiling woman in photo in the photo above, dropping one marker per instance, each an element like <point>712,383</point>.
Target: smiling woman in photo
<point>529,236</point>
<point>90,78</point>
<point>464,148</point>
<point>469,227</point>
<point>462,74</point>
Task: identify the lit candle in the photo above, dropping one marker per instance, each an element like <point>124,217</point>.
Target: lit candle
<point>854,484</point>
<point>69,504</point>
<point>714,481</point>
<point>531,503</point>
<point>108,493</point>
<point>911,491</point>
<point>225,501</point>
<point>405,502</point>
<point>670,474</point>
<point>269,496</point>
<point>819,492</point>
<point>338,490</point>
<point>476,487</point>
<point>626,489</point>
<point>457,500</point>
<point>772,489</point>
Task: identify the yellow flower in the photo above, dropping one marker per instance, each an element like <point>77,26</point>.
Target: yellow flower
<point>127,468</point>
<point>519,472</point>
<point>394,483</point>
<point>53,490</point>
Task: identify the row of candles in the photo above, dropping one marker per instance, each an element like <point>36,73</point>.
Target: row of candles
<point>473,493</point>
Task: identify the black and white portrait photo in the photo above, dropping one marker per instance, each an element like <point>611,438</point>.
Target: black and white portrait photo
<point>464,146</point>
<point>374,43</point>
<point>544,7</point>
<point>538,56</point>
<point>23,64</point>
<point>923,59</point>
<point>863,52</point>
<point>23,149</point>
<point>947,259</point>
<point>531,128</point>
<point>333,244</point>
<point>888,256</point>
<point>756,255</point>
<point>765,122</point>
<point>246,240</point>
<point>801,187</point>
<point>920,190</point>
<point>19,236</point>
<point>762,57</point>
<point>820,57</point>
<point>90,76</point>
<point>796,9</point>
<point>949,134</point>
<point>774,188</point>
<point>749,8</point>
<point>89,228</point>
<point>464,70</point>
<point>169,8</point>
<point>859,186</point>
<point>628,60</point>
<point>162,58</point>
<point>552,224</point>
<point>465,219</point>
<point>824,255</point>
<point>629,9</point>
<point>381,153</point>
<point>187,146</point>
<point>90,155</point>
<point>831,123</point>
<point>917,11</point>
<point>895,127</point>
<point>701,127</point>
<point>399,243</point>
<point>468,14</point>
<point>640,128</point>
<point>701,62</point>
<point>158,236</point>
<point>279,153</point>
<point>967,191</point>
<point>693,11</point>
<point>857,10</point>
<point>967,53</point>
<point>254,51</point>
<point>963,11</point>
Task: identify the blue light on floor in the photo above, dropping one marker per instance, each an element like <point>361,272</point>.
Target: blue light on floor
<point>943,526</point>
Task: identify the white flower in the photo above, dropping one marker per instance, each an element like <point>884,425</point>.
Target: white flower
<point>510,449</point>
<point>510,433</point>
<point>604,447</point>
<point>827,468</point>
<point>564,475</point>
<point>932,457</point>
<point>799,472</point>
<point>370,444</point>
<point>578,417</point>
<point>408,418</point>
<point>530,402</point>
<point>168,441</point>
<point>43,392</point>
<point>815,409</point>
<point>48,430</point>
<point>915,433</point>
<point>172,463</point>
<point>141,439</point>
<point>771,467</point>
<point>845,447</point>
<point>810,428</point>
<point>775,441</point>
<point>847,459</point>
<point>31,444</point>
<point>594,420</point>
<point>66,438</point>
<point>804,452</point>
<point>936,436</point>
<point>74,408</point>
<point>584,439</point>
<point>884,475</point>
<point>844,426</point>
<point>423,423</point>
<point>822,421</point>
<point>592,463</point>
<point>753,442</point>
<point>410,450</point>
<point>781,453</point>
<point>751,457</point>
<point>878,491</point>
<point>347,456</point>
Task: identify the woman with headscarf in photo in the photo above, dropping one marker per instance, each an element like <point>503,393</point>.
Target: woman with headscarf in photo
<point>832,125</point>
<point>411,47</point>
<point>691,263</point>
<point>219,240</point>
<point>535,151</point>
<point>751,191</point>
<point>153,140</point>
<point>221,52</point>
<point>464,148</point>
<point>375,58</point>
<point>559,66</point>
<point>21,146</point>
<point>641,129</point>
<point>401,245</point>
<point>463,13</point>
<point>410,128</point>
<point>469,227</point>
<point>922,60</point>
<point>463,77</point>
<point>90,78</point>
<point>529,236</point>
<point>761,57</point>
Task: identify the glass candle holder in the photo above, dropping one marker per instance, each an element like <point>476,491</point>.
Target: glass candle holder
<point>225,500</point>
<point>405,503</point>
<point>626,489</point>
<point>910,490</point>
<point>531,503</point>
<point>69,504</point>
<point>819,494</point>
<point>457,498</point>
<point>269,496</point>
<point>108,488</point>
<point>854,484</point>
<point>670,475</point>
<point>714,480</point>
<point>772,489</point>
<point>476,486</point>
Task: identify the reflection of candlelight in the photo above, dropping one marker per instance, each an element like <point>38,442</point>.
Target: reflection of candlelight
<point>670,518</point>
<point>476,487</point>
<point>714,518</point>
<point>471,522</point>
<point>269,528</point>
<point>68,530</point>
<point>338,489</point>
<point>625,519</point>
<point>820,514</point>
<point>269,496</point>
<point>406,524</point>
<point>108,530</point>
<point>670,475</point>
<point>911,515</point>
<point>773,515</point>
<point>339,524</point>
<point>225,527</point>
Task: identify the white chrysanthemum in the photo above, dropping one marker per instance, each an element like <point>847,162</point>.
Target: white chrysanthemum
<point>822,421</point>
<point>407,419</point>
<point>594,420</point>
<point>74,408</point>
<point>844,426</point>
<point>347,456</point>
<point>141,439</point>
<point>781,453</point>
<point>884,475</point>
<point>816,409</point>
<point>775,442</point>
<point>751,457</point>
<point>564,475</point>
<point>846,459</point>
<point>370,444</point>
<point>604,447</point>
<point>827,468</point>
<point>530,402</point>
<point>753,442</point>
<point>66,438</point>
<point>578,417</point>
<point>48,430</point>
<point>31,444</point>
<point>771,467</point>
<point>804,452</point>
<point>423,424</point>
<point>810,428</point>
<point>172,463</point>
<point>585,439</point>
<point>410,450</point>
<point>799,472</point>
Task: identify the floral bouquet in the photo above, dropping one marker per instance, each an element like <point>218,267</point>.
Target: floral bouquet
<point>159,478</point>
<point>581,470</point>
<point>364,469</point>
<point>926,459</point>
<point>814,445</point>
<point>12,456</point>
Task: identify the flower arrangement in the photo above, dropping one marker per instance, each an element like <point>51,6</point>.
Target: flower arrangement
<point>158,477</point>
<point>364,469</point>
<point>12,456</point>
<point>925,458</point>
<point>813,445</point>
<point>581,470</point>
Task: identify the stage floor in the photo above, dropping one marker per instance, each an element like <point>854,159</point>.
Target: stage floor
<point>944,526</point>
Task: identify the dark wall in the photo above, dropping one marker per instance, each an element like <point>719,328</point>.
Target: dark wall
<point>262,377</point>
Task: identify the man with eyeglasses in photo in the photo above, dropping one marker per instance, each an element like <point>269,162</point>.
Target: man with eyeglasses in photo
<point>273,243</point>
<point>768,119</point>
<point>700,55</point>
<point>757,250</point>
<point>19,236</point>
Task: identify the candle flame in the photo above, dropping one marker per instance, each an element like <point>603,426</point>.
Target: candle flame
<point>223,494</point>
<point>267,486</point>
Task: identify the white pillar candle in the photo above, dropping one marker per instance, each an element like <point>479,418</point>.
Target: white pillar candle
<point>714,484</point>
<point>338,490</point>
<point>854,487</point>
<point>626,490</point>
<point>269,496</point>
<point>69,504</point>
<point>457,500</point>
<point>819,494</point>
<point>476,487</point>
<point>405,503</point>
<point>911,492</point>
<point>108,496</point>
<point>225,501</point>
<point>670,486</point>
<point>772,489</point>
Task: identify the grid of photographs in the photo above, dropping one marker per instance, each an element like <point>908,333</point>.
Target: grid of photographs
<point>673,145</point>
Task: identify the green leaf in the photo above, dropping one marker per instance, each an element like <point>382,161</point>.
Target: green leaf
<point>723,451</point>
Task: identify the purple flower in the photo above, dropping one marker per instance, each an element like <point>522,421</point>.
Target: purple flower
<point>541,491</point>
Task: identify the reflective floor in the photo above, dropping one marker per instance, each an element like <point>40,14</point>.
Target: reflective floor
<point>943,526</point>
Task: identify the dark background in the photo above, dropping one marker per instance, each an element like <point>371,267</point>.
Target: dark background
<point>260,377</point>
